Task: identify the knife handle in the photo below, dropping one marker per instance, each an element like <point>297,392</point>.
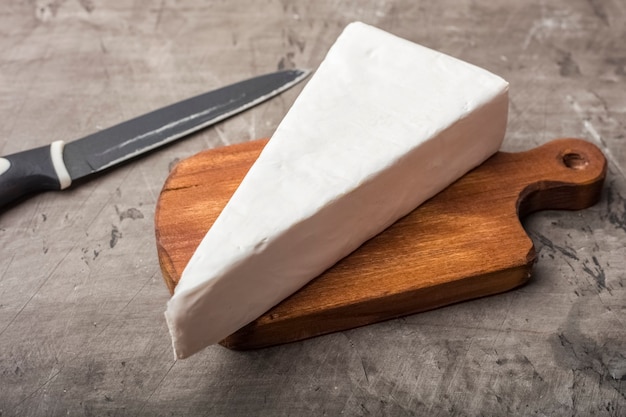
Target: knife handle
<point>31,171</point>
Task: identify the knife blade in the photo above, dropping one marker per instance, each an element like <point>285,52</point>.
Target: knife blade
<point>58,165</point>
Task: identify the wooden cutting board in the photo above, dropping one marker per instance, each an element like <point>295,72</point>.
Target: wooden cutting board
<point>464,243</point>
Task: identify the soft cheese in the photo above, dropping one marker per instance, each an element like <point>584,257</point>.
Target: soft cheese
<point>383,125</point>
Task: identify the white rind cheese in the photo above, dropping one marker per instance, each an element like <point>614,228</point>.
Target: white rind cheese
<point>382,126</point>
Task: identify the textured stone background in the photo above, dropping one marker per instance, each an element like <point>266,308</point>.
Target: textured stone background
<point>81,295</point>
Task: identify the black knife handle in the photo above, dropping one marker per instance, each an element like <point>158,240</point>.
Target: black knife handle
<point>31,171</point>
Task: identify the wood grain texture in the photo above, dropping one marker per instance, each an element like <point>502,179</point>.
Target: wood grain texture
<point>464,243</point>
<point>81,294</point>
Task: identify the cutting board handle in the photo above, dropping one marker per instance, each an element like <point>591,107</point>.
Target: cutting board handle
<point>564,176</point>
<point>464,243</point>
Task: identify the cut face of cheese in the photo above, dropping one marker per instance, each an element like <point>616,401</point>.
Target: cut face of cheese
<point>382,126</point>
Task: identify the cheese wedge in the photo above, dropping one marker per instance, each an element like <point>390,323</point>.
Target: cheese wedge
<point>382,126</point>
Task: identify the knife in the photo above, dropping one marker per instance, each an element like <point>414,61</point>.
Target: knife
<point>57,166</point>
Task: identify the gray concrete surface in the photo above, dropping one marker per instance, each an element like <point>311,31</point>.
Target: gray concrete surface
<point>81,295</point>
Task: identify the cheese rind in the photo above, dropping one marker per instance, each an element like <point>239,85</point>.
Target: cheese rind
<point>382,126</point>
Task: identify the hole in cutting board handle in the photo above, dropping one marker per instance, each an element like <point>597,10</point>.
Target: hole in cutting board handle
<point>574,160</point>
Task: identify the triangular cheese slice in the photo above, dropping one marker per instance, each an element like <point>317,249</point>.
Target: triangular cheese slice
<point>382,126</point>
